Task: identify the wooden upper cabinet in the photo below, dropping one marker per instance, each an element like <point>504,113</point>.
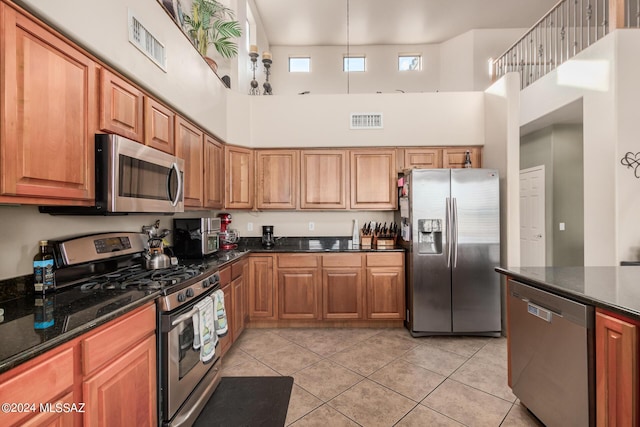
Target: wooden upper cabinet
<point>420,158</point>
<point>213,173</point>
<point>277,179</point>
<point>373,179</point>
<point>189,146</point>
<point>324,179</point>
<point>48,113</point>
<point>453,157</point>
<point>238,177</point>
<point>121,107</point>
<point>158,126</point>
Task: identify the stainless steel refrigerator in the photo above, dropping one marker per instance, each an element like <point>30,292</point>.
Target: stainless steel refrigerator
<point>450,221</point>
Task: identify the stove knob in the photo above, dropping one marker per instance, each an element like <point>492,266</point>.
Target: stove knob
<point>182,297</point>
<point>206,283</point>
<point>189,292</point>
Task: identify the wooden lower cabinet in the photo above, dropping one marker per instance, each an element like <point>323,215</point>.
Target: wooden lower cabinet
<point>238,291</point>
<point>299,293</point>
<point>225,285</point>
<point>342,293</point>
<point>262,289</point>
<point>385,286</point>
<point>109,373</point>
<point>616,370</point>
<point>123,392</point>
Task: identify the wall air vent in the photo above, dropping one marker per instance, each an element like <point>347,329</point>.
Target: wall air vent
<point>141,38</point>
<point>366,121</point>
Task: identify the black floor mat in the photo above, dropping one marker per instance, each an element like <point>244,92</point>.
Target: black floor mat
<point>248,401</point>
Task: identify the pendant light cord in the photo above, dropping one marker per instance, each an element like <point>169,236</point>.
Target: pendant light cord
<point>348,57</point>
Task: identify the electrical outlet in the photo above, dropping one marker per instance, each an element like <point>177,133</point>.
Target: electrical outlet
<point>561,226</point>
<point>312,226</point>
<point>249,226</point>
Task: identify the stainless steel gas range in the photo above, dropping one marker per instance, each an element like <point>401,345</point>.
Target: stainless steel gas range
<point>115,261</point>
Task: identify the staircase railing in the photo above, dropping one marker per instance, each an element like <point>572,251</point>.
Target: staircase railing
<point>568,28</point>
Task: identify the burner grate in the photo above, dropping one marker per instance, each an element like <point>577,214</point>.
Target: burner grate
<point>138,277</point>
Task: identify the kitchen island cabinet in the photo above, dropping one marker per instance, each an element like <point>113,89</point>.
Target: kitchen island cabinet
<point>616,370</point>
<point>48,116</point>
<point>613,293</point>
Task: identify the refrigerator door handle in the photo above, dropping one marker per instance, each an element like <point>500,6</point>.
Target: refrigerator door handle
<point>455,231</point>
<point>449,234</point>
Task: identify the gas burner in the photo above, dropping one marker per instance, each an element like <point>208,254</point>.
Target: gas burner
<point>137,276</point>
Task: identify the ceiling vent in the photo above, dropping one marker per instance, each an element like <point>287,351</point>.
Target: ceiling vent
<point>141,38</point>
<point>366,121</point>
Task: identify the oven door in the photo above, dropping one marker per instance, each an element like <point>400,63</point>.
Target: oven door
<point>181,370</point>
<point>143,179</point>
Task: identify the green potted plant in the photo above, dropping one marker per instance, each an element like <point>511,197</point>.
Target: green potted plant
<point>212,23</point>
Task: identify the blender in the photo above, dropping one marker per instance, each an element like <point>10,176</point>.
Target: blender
<point>228,236</point>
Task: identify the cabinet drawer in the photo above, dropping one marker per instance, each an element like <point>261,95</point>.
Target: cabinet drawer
<point>385,260</point>
<point>47,378</point>
<point>236,269</point>
<point>342,260</point>
<point>225,276</point>
<point>297,260</point>
<point>104,345</point>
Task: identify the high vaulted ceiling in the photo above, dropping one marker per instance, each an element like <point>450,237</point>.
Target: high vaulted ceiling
<point>372,22</point>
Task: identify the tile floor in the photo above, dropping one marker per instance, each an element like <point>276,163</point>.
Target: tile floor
<point>383,377</point>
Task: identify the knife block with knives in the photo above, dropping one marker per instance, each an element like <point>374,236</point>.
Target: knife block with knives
<point>378,236</point>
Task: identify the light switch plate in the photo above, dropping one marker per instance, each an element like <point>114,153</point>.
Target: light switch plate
<point>312,226</point>
<point>561,226</point>
<point>249,226</point>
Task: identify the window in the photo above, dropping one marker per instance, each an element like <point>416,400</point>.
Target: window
<point>353,63</point>
<point>409,62</point>
<point>299,64</point>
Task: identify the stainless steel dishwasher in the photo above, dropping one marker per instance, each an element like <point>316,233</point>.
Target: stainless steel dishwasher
<point>552,356</point>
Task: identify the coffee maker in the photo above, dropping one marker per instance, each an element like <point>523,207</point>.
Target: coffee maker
<point>228,237</point>
<point>268,241</point>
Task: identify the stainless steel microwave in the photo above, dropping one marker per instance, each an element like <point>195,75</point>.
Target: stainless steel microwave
<point>131,178</point>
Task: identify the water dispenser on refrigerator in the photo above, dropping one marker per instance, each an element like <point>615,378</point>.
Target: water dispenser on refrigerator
<point>430,236</point>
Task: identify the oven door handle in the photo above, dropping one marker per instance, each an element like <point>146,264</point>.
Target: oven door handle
<point>184,317</point>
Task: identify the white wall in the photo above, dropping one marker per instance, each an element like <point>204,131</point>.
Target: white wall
<point>101,27</point>
<point>327,77</point>
<point>452,118</point>
<point>456,63</point>
<point>628,118</point>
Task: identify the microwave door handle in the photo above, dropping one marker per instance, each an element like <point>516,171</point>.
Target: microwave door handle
<point>174,166</point>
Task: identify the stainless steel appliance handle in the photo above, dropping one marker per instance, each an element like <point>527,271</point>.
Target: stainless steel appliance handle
<point>455,231</point>
<point>448,225</point>
<point>175,167</point>
<point>537,310</point>
<point>184,317</point>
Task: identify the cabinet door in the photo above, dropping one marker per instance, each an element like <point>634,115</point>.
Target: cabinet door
<point>342,293</point>
<point>227,340</point>
<point>189,146</point>
<point>277,179</point>
<point>373,179</point>
<point>213,173</point>
<point>453,157</point>
<point>299,293</point>
<point>262,292</point>
<point>237,295</point>
<point>238,177</point>
<point>422,158</point>
<point>53,418</point>
<point>324,179</point>
<point>158,126</point>
<point>616,371</point>
<point>121,106</point>
<point>125,390</point>
<point>48,114</point>
<point>385,293</point>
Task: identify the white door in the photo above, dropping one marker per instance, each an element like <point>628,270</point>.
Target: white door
<point>532,227</point>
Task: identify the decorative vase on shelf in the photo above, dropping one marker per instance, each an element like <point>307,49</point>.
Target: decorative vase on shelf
<point>213,64</point>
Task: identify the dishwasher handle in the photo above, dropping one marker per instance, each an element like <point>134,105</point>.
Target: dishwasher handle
<point>541,312</point>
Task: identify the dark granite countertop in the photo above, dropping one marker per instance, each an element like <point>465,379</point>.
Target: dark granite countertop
<point>612,288</point>
<point>32,326</point>
<point>308,244</point>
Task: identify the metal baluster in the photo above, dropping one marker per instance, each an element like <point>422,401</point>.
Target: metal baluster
<point>637,13</point>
